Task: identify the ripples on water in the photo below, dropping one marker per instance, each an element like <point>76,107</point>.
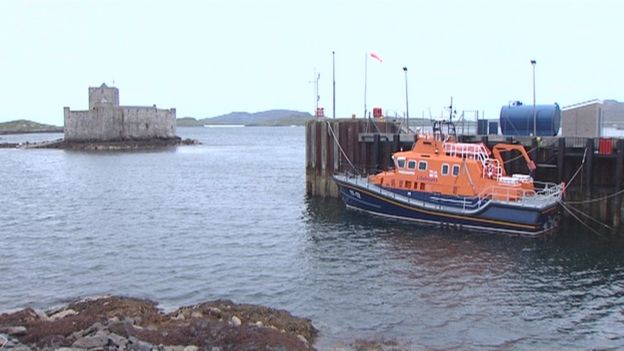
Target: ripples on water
<point>230,219</point>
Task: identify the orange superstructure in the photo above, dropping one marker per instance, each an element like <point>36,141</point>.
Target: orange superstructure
<point>444,166</point>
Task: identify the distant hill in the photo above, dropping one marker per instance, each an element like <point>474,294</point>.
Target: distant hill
<point>264,118</point>
<point>25,126</point>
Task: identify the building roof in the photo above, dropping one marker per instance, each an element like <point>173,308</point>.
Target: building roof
<point>582,104</point>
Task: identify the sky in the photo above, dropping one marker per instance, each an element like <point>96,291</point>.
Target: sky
<point>208,58</point>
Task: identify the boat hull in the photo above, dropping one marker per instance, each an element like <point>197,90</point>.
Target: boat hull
<point>491,216</point>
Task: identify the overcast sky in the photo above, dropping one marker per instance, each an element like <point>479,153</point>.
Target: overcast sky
<point>207,58</point>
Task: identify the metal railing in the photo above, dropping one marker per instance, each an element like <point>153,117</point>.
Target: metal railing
<point>545,193</point>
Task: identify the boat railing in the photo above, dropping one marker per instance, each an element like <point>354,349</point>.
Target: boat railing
<point>468,203</point>
<point>542,192</point>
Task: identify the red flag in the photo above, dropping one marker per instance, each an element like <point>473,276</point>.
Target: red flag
<point>376,56</point>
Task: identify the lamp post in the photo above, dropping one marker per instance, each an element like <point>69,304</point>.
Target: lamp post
<point>533,62</point>
<point>334,83</point>
<point>316,92</point>
<point>406,101</point>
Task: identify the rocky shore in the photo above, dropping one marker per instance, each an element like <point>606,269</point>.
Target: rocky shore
<point>122,323</point>
<point>138,144</point>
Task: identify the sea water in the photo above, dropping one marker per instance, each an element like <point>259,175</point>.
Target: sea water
<point>230,219</point>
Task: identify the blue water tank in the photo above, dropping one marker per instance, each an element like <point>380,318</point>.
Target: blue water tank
<point>517,119</point>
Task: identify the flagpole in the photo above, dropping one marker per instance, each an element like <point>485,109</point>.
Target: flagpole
<point>365,79</point>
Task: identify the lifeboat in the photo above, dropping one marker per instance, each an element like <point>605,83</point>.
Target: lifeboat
<point>443,182</point>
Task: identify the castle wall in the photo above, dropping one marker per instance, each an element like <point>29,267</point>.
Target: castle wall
<point>107,121</point>
<point>119,123</point>
<point>145,122</point>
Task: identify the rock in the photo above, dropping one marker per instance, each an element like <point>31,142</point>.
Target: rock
<point>118,340</point>
<point>216,348</point>
<point>63,314</point>
<point>91,342</point>
<point>41,315</point>
<point>95,327</point>
<point>140,345</point>
<point>173,348</point>
<point>196,314</point>
<point>236,321</point>
<point>179,316</point>
<point>191,348</point>
<point>302,338</point>
<point>259,324</point>
<point>16,330</point>
<point>214,310</point>
<point>4,341</point>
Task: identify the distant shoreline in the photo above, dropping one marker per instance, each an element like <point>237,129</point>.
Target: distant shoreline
<point>116,145</point>
<point>8,132</point>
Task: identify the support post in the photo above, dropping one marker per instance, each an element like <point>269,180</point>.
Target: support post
<point>375,153</point>
<point>617,200</point>
<point>396,142</point>
<point>588,173</point>
<point>560,160</point>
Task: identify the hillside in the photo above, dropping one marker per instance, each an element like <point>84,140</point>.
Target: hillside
<point>264,118</point>
<point>25,126</point>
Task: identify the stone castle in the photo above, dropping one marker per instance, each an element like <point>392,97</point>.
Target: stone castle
<point>106,120</point>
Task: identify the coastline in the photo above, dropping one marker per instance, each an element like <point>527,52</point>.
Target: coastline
<point>118,323</point>
<point>114,145</point>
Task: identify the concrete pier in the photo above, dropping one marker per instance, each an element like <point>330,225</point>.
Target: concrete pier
<point>346,145</point>
<point>365,147</point>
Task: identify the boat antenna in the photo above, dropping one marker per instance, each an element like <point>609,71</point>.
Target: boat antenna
<point>451,110</point>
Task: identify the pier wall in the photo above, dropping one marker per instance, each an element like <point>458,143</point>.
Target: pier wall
<point>365,147</point>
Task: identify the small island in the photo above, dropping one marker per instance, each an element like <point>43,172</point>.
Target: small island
<point>22,126</point>
<point>270,118</point>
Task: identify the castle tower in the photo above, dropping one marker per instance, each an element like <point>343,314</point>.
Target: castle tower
<point>103,96</point>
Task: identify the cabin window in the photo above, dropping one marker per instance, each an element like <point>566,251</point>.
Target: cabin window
<point>422,165</point>
<point>400,183</point>
<point>422,186</point>
<point>401,163</point>
<point>415,185</point>
<point>411,164</point>
<point>392,183</point>
<point>445,169</point>
<point>455,170</point>
<point>408,184</point>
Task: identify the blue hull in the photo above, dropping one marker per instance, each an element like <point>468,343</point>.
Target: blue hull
<point>489,216</point>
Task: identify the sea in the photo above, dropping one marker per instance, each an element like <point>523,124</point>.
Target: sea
<point>230,219</point>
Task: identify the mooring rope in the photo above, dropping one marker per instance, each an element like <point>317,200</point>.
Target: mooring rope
<point>596,199</point>
<point>577,171</point>
<point>581,221</point>
<point>590,218</point>
<point>340,147</point>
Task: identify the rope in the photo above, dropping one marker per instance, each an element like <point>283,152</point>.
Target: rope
<point>577,171</point>
<point>581,221</point>
<point>595,200</point>
<point>591,218</point>
<point>340,147</point>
